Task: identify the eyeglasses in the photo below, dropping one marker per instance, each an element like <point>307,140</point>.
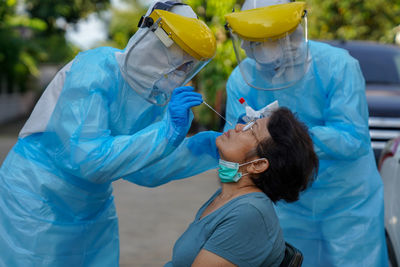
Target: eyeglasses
<point>249,126</point>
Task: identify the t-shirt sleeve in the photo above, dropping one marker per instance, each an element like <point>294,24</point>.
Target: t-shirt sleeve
<point>242,237</point>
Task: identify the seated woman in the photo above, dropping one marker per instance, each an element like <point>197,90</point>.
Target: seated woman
<point>261,163</point>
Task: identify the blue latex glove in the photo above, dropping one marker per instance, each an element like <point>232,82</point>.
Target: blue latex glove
<point>182,99</point>
<point>204,143</point>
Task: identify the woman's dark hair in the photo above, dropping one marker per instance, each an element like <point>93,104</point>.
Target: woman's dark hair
<point>293,164</point>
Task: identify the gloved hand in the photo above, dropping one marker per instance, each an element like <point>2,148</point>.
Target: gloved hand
<point>204,143</point>
<point>182,99</point>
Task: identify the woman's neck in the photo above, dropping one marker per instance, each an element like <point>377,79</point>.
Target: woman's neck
<point>231,190</point>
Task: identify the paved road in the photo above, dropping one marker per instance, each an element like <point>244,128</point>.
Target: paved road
<point>150,219</point>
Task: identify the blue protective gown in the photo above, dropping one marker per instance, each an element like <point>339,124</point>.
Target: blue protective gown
<point>339,220</point>
<point>56,203</point>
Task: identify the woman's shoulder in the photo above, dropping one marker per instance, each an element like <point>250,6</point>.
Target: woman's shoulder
<point>250,207</point>
<point>250,222</point>
<point>253,205</point>
<point>258,200</point>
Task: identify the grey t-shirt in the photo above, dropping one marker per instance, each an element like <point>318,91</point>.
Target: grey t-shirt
<point>245,231</point>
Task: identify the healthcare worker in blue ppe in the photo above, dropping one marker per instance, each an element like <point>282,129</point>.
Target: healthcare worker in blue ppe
<point>339,220</point>
<point>106,115</point>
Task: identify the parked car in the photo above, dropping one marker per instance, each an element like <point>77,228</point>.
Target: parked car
<point>380,65</point>
<point>389,168</point>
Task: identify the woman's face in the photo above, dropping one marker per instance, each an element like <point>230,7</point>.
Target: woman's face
<point>235,144</point>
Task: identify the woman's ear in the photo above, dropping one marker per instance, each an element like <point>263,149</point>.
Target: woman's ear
<point>258,166</point>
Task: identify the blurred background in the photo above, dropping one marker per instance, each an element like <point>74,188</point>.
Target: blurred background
<point>38,37</point>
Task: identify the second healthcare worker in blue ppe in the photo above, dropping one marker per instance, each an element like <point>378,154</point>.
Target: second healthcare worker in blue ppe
<point>106,115</point>
<point>339,220</point>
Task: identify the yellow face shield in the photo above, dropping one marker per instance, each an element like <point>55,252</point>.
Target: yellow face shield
<point>172,48</point>
<point>192,35</point>
<point>266,23</point>
<point>270,44</point>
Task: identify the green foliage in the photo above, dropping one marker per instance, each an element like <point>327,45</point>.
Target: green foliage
<point>70,10</point>
<point>17,60</point>
<point>17,56</point>
<point>124,24</point>
<point>53,48</point>
<point>23,21</point>
<point>6,7</point>
<point>354,19</point>
<point>26,41</point>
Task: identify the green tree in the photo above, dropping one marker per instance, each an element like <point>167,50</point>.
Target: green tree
<point>17,56</point>
<point>34,37</point>
<point>124,22</point>
<point>373,20</point>
<point>52,40</point>
<point>69,10</point>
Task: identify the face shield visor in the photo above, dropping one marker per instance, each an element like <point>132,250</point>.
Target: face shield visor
<point>174,47</point>
<point>274,39</point>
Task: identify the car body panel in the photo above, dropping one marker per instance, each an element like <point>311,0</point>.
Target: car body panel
<point>389,168</point>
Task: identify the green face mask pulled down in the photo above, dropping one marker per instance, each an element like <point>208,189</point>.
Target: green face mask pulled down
<point>228,172</point>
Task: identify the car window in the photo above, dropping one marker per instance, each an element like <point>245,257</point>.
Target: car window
<point>378,66</point>
<point>397,62</point>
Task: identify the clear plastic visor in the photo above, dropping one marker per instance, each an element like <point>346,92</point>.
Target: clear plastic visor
<point>165,68</point>
<point>178,76</point>
<point>276,63</point>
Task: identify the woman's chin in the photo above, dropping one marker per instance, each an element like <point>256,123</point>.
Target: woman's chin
<point>218,142</point>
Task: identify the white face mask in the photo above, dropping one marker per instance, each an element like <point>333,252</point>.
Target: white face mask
<point>265,53</point>
<point>162,89</point>
<point>277,53</point>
